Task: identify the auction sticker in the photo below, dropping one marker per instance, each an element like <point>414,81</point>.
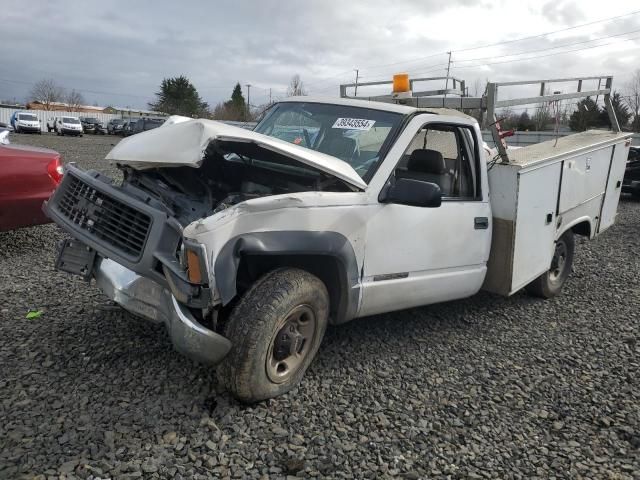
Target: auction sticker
<point>354,123</point>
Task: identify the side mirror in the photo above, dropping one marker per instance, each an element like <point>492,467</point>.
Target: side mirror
<point>415,193</point>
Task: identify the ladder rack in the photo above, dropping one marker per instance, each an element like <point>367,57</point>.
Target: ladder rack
<point>489,102</point>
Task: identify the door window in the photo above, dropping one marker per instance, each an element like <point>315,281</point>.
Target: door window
<point>445,155</point>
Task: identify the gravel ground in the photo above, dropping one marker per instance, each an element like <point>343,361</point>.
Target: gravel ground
<point>481,388</point>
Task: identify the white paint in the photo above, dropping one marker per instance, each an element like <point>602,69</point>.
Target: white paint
<point>610,206</point>
<point>183,143</point>
<point>437,253</point>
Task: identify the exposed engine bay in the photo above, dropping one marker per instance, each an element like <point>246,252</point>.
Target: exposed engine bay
<point>225,178</point>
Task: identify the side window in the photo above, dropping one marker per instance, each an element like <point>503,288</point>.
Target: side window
<point>444,155</point>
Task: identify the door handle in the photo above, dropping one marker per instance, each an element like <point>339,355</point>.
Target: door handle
<point>481,223</point>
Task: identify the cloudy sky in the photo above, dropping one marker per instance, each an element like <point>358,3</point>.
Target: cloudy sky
<point>117,52</point>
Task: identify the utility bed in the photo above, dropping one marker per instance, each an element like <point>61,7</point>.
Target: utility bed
<point>543,190</point>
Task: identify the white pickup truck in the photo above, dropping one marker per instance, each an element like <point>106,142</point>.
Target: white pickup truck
<point>247,244</point>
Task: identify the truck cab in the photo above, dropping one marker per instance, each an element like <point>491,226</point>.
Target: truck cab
<point>248,244</point>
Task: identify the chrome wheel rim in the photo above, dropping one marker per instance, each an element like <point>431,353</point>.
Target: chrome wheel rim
<point>291,344</point>
<point>558,261</point>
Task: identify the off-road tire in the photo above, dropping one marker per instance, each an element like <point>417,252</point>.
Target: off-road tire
<point>548,285</point>
<point>254,323</point>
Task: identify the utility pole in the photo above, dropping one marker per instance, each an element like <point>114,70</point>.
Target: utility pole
<point>269,96</point>
<point>355,92</point>
<point>446,82</point>
<point>248,100</point>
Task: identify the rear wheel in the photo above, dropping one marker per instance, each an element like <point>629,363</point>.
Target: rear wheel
<point>276,330</point>
<point>550,283</point>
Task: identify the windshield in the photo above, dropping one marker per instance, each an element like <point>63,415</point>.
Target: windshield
<point>353,134</point>
<point>27,116</point>
<point>117,122</point>
<point>92,120</point>
<point>70,120</point>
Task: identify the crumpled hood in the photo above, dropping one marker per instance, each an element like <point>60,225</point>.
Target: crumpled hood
<point>183,142</point>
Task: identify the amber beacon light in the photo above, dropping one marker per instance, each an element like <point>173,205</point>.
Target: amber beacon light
<point>401,85</point>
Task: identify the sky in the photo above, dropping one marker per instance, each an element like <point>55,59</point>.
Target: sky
<point>117,52</point>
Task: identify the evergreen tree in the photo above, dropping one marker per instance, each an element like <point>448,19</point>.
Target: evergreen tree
<point>587,115</point>
<point>622,111</point>
<point>237,99</point>
<point>178,96</point>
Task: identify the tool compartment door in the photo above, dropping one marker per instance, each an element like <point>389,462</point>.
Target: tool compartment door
<point>535,224</point>
<point>614,186</point>
<point>584,177</point>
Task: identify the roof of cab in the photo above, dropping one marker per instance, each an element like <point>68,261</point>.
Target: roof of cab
<point>376,105</point>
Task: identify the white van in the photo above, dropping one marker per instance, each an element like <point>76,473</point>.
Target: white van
<point>68,125</point>
<point>25,122</point>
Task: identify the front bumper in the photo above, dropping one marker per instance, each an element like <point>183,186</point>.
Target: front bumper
<point>71,131</point>
<point>29,128</point>
<point>145,298</point>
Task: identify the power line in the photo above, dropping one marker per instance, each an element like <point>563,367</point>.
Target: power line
<point>547,48</point>
<point>506,42</point>
<point>635,12</point>
<point>547,55</point>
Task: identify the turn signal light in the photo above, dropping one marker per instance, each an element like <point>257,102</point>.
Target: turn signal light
<point>401,83</point>
<point>193,267</point>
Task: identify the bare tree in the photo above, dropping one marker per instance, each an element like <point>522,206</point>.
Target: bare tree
<point>296,87</point>
<point>46,92</point>
<point>542,116</point>
<point>632,89</point>
<point>75,100</point>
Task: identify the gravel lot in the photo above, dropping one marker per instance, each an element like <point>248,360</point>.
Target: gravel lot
<point>481,388</point>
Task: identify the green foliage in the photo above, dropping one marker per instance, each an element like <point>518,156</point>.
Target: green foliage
<point>178,96</point>
<point>622,111</point>
<point>586,115</point>
<point>234,109</point>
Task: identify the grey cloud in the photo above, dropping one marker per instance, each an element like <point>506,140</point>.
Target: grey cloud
<point>126,48</point>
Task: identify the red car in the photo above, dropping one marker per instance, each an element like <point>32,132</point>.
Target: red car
<point>28,175</point>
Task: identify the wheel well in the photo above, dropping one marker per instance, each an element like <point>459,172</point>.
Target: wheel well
<point>582,228</point>
<point>327,268</point>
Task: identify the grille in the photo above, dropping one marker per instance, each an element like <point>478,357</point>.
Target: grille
<point>105,218</point>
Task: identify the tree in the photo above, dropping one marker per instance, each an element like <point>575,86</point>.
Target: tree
<point>622,111</point>
<point>178,96</point>
<point>586,115</point>
<point>46,92</point>
<point>524,122</point>
<point>75,100</point>
<point>632,89</point>
<point>296,87</point>
<point>234,109</point>
<point>541,117</point>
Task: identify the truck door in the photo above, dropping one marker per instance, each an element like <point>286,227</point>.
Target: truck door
<point>417,255</point>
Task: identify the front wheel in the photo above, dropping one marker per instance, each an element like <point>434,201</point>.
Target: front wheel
<point>276,330</point>
<point>550,283</point>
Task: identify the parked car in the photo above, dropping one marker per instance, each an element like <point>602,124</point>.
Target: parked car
<point>114,127</point>
<point>93,125</point>
<point>144,124</point>
<point>51,124</point>
<point>631,182</point>
<point>28,176</point>
<point>68,126</point>
<point>88,124</point>
<point>23,122</point>
<point>128,128</point>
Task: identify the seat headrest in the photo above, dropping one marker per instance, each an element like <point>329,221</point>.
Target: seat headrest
<point>427,161</point>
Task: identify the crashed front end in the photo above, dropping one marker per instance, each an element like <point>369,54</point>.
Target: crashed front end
<point>128,236</point>
<point>133,248</point>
